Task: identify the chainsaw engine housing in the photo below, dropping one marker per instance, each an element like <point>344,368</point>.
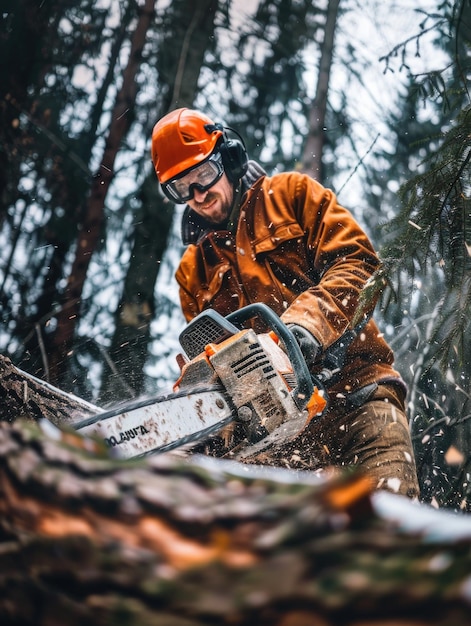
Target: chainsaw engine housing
<point>257,376</point>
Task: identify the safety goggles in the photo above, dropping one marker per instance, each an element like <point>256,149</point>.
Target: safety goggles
<point>201,177</point>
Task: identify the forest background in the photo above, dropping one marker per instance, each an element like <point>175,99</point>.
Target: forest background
<point>371,98</point>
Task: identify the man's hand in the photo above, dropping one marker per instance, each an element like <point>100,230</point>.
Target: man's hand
<point>309,345</point>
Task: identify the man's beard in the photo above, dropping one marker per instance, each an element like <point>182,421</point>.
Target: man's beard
<point>217,220</point>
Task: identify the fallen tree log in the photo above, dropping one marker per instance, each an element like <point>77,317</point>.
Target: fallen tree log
<point>24,396</point>
<point>187,541</point>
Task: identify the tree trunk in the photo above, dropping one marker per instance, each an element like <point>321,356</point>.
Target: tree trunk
<point>191,541</point>
<point>89,235</point>
<point>69,183</point>
<point>314,146</point>
<point>136,310</point>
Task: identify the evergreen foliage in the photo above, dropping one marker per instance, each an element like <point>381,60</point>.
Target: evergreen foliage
<point>426,258</point>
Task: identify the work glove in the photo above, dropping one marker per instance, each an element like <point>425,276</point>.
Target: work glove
<point>309,345</point>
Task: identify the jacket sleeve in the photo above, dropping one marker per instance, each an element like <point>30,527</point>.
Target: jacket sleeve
<point>343,257</point>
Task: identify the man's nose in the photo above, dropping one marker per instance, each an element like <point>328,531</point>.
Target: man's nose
<point>199,195</point>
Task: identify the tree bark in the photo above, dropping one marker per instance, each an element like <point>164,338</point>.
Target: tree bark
<point>192,541</point>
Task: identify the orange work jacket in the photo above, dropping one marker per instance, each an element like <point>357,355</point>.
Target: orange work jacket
<point>301,253</point>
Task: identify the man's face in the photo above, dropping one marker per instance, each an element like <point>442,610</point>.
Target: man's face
<point>214,204</point>
<point>205,188</point>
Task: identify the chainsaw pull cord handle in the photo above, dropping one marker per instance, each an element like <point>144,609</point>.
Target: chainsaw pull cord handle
<point>304,382</point>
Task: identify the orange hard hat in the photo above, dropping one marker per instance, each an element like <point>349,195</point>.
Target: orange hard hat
<point>182,139</point>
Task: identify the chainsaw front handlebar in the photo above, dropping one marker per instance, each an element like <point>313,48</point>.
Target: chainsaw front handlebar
<point>304,384</point>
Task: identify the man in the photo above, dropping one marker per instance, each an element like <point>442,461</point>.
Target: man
<point>285,241</point>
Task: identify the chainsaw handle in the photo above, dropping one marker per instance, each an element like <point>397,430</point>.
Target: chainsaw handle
<point>304,384</point>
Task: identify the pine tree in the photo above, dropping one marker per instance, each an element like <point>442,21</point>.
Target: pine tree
<point>427,257</point>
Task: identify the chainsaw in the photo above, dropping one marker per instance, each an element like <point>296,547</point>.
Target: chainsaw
<point>228,373</point>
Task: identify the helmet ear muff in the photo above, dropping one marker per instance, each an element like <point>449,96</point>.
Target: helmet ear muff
<point>234,158</point>
<point>233,152</point>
